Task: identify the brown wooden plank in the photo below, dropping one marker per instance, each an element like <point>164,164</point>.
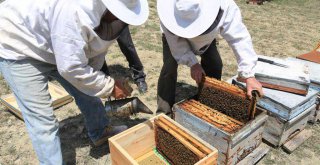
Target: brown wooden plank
<point>313,56</point>
<point>221,85</point>
<point>297,140</point>
<point>286,89</point>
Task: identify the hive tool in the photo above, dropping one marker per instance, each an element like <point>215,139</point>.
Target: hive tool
<point>272,62</point>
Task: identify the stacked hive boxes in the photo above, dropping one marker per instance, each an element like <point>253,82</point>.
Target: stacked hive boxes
<point>288,113</point>
<point>314,70</point>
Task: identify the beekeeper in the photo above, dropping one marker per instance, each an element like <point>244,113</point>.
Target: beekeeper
<point>66,40</point>
<point>189,28</point>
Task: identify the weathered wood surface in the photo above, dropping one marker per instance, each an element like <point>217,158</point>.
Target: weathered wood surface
<point>297,140</point>
<point>58,95</point>
<point>256,155</point>
<point>314,69</point>
<point>278,131</point>
<point>284,104</point>
<point>233,147</point>
<point>132,145</point>
<point>295,76</point>
<point>314,115</point>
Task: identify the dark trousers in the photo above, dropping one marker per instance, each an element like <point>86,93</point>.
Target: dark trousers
<point>210,61</point>
<point>128,49</point>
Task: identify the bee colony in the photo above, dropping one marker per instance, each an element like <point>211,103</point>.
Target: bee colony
<point>160,141</point>
<point>225,98</point>
<point>224,117</point>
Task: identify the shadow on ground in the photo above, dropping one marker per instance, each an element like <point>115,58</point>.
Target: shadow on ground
<point>73,135</point>
<point>118,71</point>
<point>185,91</point>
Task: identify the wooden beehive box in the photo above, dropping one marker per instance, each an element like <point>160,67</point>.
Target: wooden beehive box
<point>232,147</point>
<point>232,133</point>
<point>288,115</point>
<point>278,131</point>
<point>285,105</point>
<point>59,97</point>
<point>136,145</point>
<point>294,78</point>
<point>315,112</point>
<point>314,69</point>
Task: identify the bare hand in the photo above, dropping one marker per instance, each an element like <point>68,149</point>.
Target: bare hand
<point>253,84</point>
<point>197,73</point>
<point>120,90</point>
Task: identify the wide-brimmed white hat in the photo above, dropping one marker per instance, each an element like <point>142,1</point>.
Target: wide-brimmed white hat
<point>132,12</point>
<point>187,18</point>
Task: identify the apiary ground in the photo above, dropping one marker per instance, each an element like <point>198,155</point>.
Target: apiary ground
<point>279,28</point>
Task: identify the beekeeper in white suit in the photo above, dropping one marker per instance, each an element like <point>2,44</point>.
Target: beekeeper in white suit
<point>189,28</point>
<point>67,40</point>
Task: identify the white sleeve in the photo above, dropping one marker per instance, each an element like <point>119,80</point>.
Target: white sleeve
<point>180,49</point>
<point>72,63</point>
<point>236,34</point>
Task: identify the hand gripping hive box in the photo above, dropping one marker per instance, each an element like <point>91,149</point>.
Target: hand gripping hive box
<point>223,116</point>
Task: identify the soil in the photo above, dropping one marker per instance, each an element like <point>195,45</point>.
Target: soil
<point>279,28</point>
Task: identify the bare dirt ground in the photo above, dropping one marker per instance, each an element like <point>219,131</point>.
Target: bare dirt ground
<point>280,28</point>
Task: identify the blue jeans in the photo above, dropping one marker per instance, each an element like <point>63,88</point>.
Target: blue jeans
<point>28,79</point>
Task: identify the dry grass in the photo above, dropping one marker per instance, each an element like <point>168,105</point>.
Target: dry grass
<point>281,28</point>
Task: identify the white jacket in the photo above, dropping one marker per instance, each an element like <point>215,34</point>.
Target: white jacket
<point>58,32</point>
<point>230,28</point>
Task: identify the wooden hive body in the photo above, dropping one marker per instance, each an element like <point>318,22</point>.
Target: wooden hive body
<point>135,145</point>
<point>232,147</point>
<point>285,105</point>
<point>314,70</point>
<point>278,130</point>
<point>294,78</point>
<point>234,143</point>
<point>59,98</point>
<point>288,114</point>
